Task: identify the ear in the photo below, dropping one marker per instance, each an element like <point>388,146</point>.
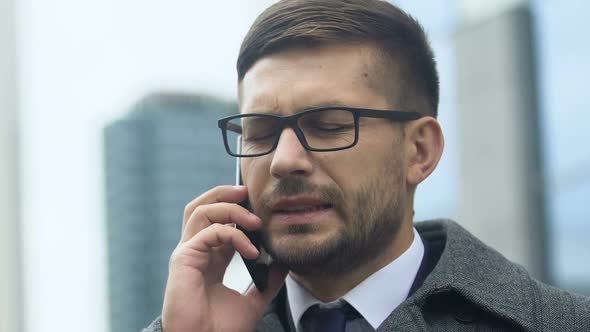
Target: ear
<point>424,147</point>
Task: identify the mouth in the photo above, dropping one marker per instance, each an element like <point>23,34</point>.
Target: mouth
<point>302,210</point>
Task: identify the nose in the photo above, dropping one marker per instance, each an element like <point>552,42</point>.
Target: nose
<point>290,157</point>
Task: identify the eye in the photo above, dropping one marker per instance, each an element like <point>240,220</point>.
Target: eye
<point>332,127</point>
<point>259,137</point>
<point>257,134</point>
<point>259,129</point>
<point>329,127</point>
<point>329,121</point>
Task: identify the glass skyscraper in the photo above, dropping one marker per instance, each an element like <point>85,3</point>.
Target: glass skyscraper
<point>164,153</point>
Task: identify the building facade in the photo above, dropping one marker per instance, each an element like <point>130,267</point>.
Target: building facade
<point>164,153</point>
<point>11,304</point>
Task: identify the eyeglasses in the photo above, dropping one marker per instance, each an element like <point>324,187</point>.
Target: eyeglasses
<point>320,129</point>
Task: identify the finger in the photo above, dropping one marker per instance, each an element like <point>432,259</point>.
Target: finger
<point>219,213</point>
<point>276,279</point>
<point>219,260</point>
<point>217,235</point>
<point>230,194</point>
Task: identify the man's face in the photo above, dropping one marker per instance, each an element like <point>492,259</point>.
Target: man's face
<point>325,212</point>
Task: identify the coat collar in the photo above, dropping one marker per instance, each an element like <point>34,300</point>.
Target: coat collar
<point>478,273</point>
<point>466,267</point>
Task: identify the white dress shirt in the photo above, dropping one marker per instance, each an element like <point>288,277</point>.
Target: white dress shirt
<point>375,297</point>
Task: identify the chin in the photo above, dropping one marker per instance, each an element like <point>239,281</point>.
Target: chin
<point>304,251</point>
<point>296,238</point>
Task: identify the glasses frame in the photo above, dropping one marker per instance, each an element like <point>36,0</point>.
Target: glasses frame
<point>291,122</point>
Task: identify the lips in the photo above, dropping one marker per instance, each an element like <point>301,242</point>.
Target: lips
<point>300,204</point>
<point>302,210</point>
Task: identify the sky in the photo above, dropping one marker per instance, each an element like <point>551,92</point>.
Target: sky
<point>82,64</point>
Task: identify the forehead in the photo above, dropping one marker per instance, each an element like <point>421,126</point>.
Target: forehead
<point>299,78</point>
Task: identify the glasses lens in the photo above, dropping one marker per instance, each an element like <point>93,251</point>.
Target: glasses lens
<point>258,134</point>
<point>328,129</point>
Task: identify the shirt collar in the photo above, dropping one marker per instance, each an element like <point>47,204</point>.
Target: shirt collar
<point>394,280</point>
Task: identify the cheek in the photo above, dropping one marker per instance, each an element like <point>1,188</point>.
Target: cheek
<point>351,170</point>
<point>363,161</point>
<point>255,173</point>
<point>366,165</point>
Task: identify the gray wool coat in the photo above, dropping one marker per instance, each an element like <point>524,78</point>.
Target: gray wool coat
<point>469,287</point>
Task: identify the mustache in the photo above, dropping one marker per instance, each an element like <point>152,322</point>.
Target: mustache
<point>297,186</point>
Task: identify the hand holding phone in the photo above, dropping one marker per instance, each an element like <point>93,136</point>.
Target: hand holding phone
<point>196,298</point>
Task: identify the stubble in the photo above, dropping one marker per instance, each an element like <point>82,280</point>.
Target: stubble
<point>370,223</point>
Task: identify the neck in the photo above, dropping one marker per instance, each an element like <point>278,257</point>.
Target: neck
<point>331,289</point>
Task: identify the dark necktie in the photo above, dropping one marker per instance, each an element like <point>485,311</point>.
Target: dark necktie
<point>333,319</point>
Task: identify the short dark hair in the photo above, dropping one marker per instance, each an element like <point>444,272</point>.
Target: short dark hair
<point>293,23</point>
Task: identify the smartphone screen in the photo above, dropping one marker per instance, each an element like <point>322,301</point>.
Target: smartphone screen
<point>258,268</point>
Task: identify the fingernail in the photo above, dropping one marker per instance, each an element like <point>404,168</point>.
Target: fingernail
<point>254,217</point>
<point>254,249</point>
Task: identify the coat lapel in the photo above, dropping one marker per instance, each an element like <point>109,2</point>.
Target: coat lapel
<point>460,264</point>
<point>278,316</point>
<point>473,270</point>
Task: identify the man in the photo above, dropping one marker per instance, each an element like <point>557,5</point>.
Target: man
<point>338,103</point>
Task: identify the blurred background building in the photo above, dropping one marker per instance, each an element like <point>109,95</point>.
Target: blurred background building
<point>11,305</point>
<point>70,68</point>
<point>502,179</point>
<point>516,173</point>
<point>159,157</point>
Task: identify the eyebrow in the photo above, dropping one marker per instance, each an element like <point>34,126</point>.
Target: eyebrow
<point>331,103</point>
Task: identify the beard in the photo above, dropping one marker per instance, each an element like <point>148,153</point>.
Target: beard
<point>370,223</point>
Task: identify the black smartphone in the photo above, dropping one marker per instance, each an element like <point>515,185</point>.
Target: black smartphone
<point>258,268</point>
